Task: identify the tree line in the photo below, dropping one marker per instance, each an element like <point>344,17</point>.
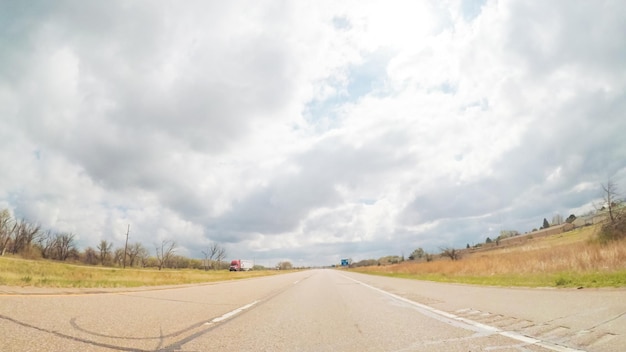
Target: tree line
<point>28,240</point>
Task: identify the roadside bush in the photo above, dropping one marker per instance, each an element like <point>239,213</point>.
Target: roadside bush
<point>562,281</point>
<point>31,252</point>
<point>613,231</point>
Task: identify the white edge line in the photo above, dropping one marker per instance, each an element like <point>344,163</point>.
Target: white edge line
<point>510,334</point>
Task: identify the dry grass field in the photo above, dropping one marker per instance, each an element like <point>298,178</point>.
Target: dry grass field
<point>570,259</point>
<point>43,273</point>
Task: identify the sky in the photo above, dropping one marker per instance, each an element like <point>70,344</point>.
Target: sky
<point>309,131</point>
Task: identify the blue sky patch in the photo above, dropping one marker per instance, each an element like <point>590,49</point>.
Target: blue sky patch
<point>471,8</point>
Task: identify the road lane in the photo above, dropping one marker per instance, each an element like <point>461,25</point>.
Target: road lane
<point>585,319</point>
<point>317,310</point>
<point>331,312</point>
<point>133,321</point>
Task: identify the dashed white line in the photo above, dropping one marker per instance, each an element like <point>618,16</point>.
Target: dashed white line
<point>231,313</point>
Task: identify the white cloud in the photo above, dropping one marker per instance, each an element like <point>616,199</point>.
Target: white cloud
<point>309,131</point>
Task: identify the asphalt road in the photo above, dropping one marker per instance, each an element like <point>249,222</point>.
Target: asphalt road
<point>317,310</point>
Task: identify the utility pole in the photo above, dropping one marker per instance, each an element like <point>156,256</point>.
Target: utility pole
<point>126,246</point>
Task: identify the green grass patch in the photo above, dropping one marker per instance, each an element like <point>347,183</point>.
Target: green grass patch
<point>564,279</point>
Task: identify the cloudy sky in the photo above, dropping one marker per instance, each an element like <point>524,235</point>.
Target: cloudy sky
<point>308,131</point>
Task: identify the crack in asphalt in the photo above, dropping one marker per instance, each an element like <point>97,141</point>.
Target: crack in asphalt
<point>174,346</point>
<point>608,321</point>
<point>73,338</point>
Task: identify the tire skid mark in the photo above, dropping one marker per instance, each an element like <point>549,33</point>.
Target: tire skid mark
<point>160,336</point>
<point>73,338</point>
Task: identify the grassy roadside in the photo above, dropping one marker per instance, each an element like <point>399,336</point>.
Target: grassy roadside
<point>564,279</point>
<point>570,259</point>
<point>41,273</point>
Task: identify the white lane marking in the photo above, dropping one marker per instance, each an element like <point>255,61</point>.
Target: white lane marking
<point>231,313</point>
<point>488,328</point>
<point>296,282</point>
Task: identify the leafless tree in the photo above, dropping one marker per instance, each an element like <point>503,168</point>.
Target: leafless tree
<point>615,229</point>
<point>64,246</point>
<point>90,257</point>
<point>164,253</point>
<point>7,227</point>
<point>136,251</point>
<point>105,251</point>
<point>611,200</point>
<point>214,255</point>
<point>24,235</point>
<point>47,243</point>
<point>118,256</point>
<point>209,255</point>
<point>220,256</point>
<point>451,253</point>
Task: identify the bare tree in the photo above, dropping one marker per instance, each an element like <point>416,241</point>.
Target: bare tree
<point>206,263</point>
<point>210,254</point>
<point>136,251</point>
<point>105,251</point>
<point>24,234</point>
<point>451,253</point>
<point>7,227</point>
<point>47,243</point>
<point>64,246</point>
<point>119,257</point>
<point>90,257</point>
<point>611,201</point>
<point>214,255</point>
<point>615,229</point>
<point>219,257</point>
<point>164,253</point>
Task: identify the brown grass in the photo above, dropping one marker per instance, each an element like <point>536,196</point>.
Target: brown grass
<point>568,259</point>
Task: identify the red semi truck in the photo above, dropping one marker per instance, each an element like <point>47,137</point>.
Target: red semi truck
<point>241,265</point>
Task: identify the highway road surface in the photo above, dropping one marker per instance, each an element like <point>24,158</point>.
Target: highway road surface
<point>315,310</point>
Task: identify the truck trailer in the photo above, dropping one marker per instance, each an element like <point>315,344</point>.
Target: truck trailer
<point>241,265</point>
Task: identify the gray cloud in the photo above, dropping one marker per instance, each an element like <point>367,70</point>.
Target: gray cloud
<point>308,132</point>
